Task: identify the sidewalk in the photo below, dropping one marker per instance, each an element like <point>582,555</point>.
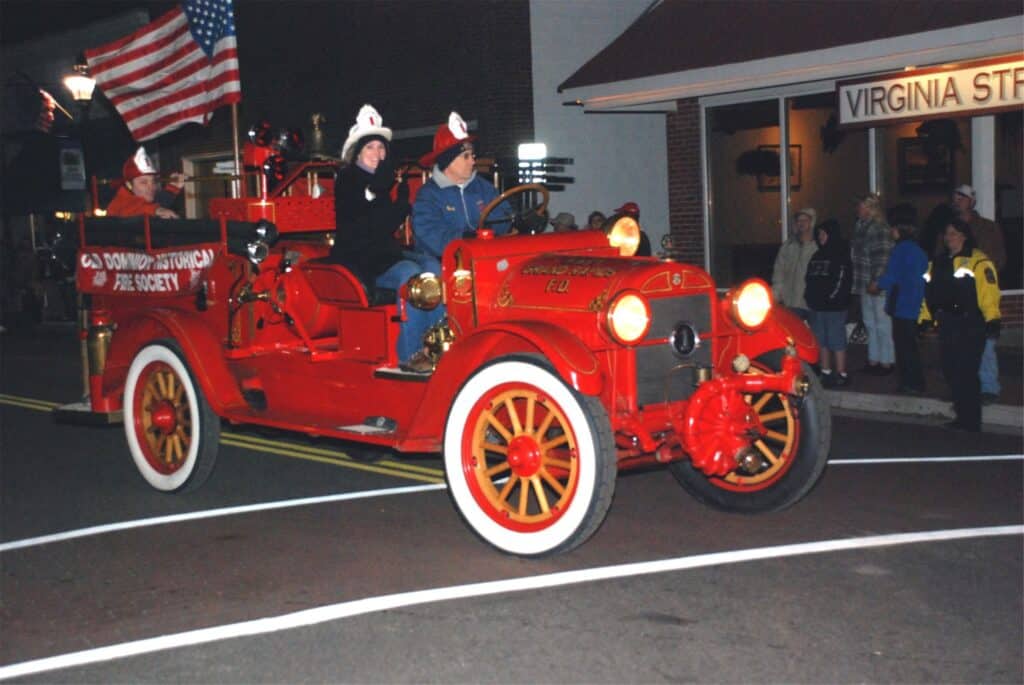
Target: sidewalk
<point>878,393</point>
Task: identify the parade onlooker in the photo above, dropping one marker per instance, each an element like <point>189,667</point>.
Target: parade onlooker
<point>869,251</point>
<point>366,219</point>
<point>989,238</point>
<point>791,263</point>
<point>827,294</point>
<point>904,285</point>
<point>448,207</point>
<point>563,221</point>
<point>140,193</point>
<point>962,297</point>
<point>596,220</point>
<point>632,209</point>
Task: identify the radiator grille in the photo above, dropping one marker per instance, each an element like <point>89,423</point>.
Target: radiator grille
<point>658,377</point>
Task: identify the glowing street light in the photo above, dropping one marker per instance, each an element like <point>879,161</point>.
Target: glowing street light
<point>80,84</point>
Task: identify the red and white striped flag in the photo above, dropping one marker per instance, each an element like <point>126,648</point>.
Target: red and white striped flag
<point>173,71</point>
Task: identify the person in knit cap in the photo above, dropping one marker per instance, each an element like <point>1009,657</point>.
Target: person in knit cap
<point>140,193</point>
<point>367,219</point>
<point>791,263</point>
<point>448,205</point>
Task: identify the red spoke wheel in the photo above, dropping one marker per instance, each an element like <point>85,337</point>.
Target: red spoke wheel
<point>792,451</point>
<point>171,431</point>
<point>530,462</point>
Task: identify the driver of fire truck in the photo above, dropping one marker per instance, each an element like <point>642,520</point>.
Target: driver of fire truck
<point>448,205</point>
<point>140,192</point>
<point>367,218</point>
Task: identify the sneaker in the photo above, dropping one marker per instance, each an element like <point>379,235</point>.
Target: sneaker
<point>418,363</point>
<point>828,379</point>
<point>988,398</point>
<point>842,380</point>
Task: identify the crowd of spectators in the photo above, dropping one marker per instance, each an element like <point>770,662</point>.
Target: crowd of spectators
<point>897,280</point>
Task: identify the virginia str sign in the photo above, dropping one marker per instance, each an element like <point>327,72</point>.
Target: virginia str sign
<point>970,88</point>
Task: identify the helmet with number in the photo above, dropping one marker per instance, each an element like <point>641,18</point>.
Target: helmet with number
<point>449,141</point>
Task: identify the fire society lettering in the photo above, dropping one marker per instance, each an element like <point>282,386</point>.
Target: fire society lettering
<point>136,271</point>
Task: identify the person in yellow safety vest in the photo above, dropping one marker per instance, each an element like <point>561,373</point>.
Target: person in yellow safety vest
<point>962,297</point>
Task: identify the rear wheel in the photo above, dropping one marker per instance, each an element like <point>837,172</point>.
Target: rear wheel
<point>793,451</point>
<point>530,462</point>
<point>172,433</point>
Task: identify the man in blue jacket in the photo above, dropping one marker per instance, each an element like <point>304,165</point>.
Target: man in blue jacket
<point>448,205</point>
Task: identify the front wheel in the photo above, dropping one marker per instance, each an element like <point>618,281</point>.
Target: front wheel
<point>171,431</point>
<point>793,451</point>
<point>530,462</point>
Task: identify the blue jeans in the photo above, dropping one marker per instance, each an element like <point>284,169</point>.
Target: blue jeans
<point>988,372</point>
<point>879,326</point>
<point>417,321</point>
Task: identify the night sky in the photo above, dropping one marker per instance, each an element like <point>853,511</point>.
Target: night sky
<point>22,20</point>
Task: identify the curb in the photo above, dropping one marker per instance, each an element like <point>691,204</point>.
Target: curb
<point>995,414</point>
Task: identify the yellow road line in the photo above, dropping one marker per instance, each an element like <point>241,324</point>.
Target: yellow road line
<point>335,454</point>
<point>324,456</point>
<point>27,402</point>
<point>344,463</point>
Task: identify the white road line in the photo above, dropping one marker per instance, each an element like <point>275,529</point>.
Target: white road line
<point>924,460</point>
<point>369,605</point>
<point>213,513</point>
<point>284,504</point>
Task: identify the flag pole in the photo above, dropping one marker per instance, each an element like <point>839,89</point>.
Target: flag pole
<point>236,185</point>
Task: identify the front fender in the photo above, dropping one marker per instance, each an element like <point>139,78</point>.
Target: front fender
<point>572,361</point>
<point>781,326</point>
<point>204,354</point>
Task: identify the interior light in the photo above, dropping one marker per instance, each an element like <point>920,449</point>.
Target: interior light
<point>532,151</point>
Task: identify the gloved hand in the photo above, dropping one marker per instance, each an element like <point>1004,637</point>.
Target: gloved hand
<point>992,329</point>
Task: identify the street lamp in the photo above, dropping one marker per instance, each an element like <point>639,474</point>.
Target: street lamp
<point>80,84</point>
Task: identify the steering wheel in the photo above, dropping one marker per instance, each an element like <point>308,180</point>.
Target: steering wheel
<point>540,211</point>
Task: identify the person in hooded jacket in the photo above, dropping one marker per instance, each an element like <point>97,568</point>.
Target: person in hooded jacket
<point>827,293</point>
<point>366,219</point>
<point>904,284</point>
<point>962,297</point>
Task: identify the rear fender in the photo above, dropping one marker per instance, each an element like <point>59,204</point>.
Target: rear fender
<point>203,352</point>
<point>571,360</point>
<point>781,326</point>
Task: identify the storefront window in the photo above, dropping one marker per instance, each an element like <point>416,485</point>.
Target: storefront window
<point>919,164</point>
<point>745,226</point>
<point>831,165</point>
<point>1009,184</point>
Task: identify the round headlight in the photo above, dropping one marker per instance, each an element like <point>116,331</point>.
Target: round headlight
<point>629,317</point>
<point>625,235</point>
<point>750,303</point>
<point>424,291</point>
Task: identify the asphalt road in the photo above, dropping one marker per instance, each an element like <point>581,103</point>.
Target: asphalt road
<point>375,579</point>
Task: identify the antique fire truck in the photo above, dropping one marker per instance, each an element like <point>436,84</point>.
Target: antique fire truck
<point>562,359</point>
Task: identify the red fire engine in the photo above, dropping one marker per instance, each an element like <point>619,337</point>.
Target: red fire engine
<point>562,359</point>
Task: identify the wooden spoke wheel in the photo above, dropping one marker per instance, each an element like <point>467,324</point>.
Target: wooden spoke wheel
<point>793,450</point>
<point>171,431</point>
<point>530,462</point>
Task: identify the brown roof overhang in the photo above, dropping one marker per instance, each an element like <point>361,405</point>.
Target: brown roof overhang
<point>680,35</point>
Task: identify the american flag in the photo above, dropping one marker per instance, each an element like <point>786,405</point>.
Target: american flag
<point>173,71</point>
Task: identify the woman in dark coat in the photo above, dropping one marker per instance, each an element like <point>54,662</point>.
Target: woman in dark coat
<point>366,220</point>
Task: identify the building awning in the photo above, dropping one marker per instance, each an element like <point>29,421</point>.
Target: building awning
<point>683,48</point>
